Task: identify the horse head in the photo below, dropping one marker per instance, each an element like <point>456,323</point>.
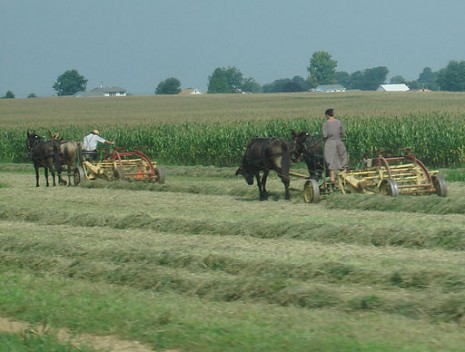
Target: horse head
<point>246,173</point>
<point>310,147</point>
<point>299,141</point>
<point>32,139</point>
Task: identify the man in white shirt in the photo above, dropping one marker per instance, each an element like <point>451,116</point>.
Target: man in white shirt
<point>90,142</point>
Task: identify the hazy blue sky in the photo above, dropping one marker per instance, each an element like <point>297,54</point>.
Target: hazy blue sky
<point>137,44</point>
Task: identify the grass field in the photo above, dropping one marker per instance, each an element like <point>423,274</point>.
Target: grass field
<point>200,264</point>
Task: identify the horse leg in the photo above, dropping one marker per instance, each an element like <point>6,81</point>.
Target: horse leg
<point>46,176</point>
<point>263,183</point>
<point>286,181</point>
<point>53,177</point>
<point>61,181</point>
<point>36,168</point>
<point>261,188</point>
<point>69,174</point>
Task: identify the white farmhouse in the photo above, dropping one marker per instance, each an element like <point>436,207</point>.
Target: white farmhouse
<point>393,88</point>
<point>103,92</point>
<point>329,88</point>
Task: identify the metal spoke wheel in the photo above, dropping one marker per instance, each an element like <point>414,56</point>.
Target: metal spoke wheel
<point>79,176</point>
<point>161,175</point>
<point>389,187</point>
<point>439,183</point>
<point>311,191</point>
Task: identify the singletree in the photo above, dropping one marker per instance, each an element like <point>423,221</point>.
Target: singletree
<point>168,86</point>
<point>70,83</point>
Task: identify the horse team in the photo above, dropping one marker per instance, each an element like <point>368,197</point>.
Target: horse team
<point>52,155</point>
<point>261,156</point>
<point>265,154</point>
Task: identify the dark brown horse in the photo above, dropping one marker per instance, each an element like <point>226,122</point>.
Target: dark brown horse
<point>44,154</point>
<point>311,149</point>
<point>69,153</point>
<point>263,155</point>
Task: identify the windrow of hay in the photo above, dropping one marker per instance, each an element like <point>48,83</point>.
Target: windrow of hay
<point>224,278</point>
<point>407,236</point>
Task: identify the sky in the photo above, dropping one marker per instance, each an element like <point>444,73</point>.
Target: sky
<point>136,44</point>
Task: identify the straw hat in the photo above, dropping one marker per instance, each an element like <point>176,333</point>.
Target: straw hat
<point>96,132</point>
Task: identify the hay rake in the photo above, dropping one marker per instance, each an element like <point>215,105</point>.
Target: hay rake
<point>119,165</point>
<point>390,176</point>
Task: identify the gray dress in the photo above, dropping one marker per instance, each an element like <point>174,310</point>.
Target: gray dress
<point>335,150</point>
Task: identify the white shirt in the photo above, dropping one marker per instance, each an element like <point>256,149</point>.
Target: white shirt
<point>89,143</point>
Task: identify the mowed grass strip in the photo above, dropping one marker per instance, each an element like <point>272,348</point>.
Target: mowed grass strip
<point>98,259</point>
<point>172,321</point>
<point>234,269</point>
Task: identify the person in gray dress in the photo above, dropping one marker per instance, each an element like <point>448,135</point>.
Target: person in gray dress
<point>335,150</point>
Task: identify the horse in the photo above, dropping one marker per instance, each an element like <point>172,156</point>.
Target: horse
<point>68,153</point>
<point>263,155</point>
<point>44,154</point>
<point>311,148</point>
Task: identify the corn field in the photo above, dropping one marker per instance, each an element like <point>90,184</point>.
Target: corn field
<point>437,139</point>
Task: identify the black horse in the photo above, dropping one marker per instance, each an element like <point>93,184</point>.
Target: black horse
<point>44,154</point>
<point>311,149</point>
<point>263,155</point>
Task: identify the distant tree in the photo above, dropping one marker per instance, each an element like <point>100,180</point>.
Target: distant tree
<point>322,69</point>
<point>375,76</point>
<point>218,82</point>
<point>414,85</point>
<point>369,79</point>
<point>452,77</point>
<point>229,80</point>
<point>398,80</point>
<point>284,85</point>
<point>301,84</point>
<point>251,86</point>
<point>357,80</point>
<point>235,79</point>
<point>32,95</point>
<point>278,86</point>
<point>168,86</point>
<point>342,78</point>
<point>70,83</point>
<point>427,79</point>
<point>9,95</point>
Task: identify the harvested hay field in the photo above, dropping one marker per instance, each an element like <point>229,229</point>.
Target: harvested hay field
<point>200,264</point>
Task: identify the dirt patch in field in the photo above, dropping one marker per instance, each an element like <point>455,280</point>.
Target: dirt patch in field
<point>103,343</point>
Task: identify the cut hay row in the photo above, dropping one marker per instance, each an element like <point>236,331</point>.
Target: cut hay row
<point>201,262</point>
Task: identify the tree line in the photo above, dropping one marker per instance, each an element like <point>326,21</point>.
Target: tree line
<point>322,70</point>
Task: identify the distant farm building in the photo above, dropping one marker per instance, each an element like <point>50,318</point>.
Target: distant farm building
<point>393,88</point>
<point>190,91</point>
<point>330,88</point>
<point>103,92</point>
